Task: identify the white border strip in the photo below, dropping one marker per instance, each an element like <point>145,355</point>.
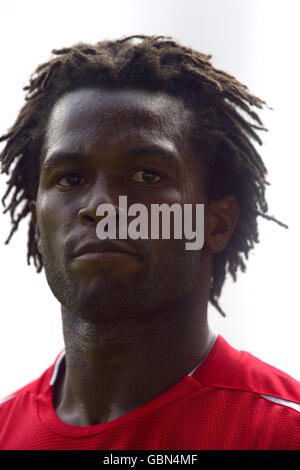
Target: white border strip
<point>6,399</point>
<point>280,401</point>
<point>207,354</point>
<point>56,367</point>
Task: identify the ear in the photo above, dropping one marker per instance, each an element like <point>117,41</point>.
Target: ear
<point>220,221</point>
<point>33,211</point>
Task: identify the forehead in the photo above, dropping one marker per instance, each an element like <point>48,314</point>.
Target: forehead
<point>93,116</point>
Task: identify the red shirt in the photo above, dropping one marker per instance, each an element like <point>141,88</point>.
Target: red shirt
<point>231,401</point>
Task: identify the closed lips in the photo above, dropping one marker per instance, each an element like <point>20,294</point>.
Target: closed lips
<point>102,247</point>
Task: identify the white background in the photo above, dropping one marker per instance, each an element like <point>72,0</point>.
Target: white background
<point>255,40</point>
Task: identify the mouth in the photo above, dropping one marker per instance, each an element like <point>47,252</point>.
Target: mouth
<point>104,255</point>
<point>104,250</point>
<point>107,260</point>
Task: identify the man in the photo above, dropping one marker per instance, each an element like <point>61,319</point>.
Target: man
<point>149,119</point>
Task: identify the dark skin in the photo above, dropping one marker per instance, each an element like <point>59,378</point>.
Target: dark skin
<point>134,324</point>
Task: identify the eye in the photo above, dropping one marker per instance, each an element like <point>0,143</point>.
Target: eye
<point>146,176</point>
<point>72,179</point>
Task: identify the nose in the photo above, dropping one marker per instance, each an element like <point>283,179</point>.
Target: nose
<point>100,193</point>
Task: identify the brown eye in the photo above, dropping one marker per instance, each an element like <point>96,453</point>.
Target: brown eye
<point>73,179</point>
<point>146,176</point>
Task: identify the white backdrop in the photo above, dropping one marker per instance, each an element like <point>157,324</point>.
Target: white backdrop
<point>255,40</point>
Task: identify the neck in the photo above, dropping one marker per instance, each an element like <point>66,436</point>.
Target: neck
<point>113,368</point>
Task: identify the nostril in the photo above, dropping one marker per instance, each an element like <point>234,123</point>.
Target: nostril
<point>86,217</point>
<point>89,218</point>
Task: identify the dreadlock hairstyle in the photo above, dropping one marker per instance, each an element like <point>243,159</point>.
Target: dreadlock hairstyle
<point>225,126</point>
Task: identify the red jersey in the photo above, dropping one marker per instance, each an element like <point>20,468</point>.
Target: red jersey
<point>232,400</point>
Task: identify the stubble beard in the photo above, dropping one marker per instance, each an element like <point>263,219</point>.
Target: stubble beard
<point>149,291</point>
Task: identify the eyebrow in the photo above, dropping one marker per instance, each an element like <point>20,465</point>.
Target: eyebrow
<point>65,156</point>
<point>153,149</point>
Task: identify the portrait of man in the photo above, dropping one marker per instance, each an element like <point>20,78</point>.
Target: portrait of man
<point>151,119</point>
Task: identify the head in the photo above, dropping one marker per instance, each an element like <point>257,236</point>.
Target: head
<point>150,87</point>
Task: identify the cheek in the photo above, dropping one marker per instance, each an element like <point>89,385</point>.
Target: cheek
<point>168,194</point>
<point>54,220</point>
<point>167,252</point>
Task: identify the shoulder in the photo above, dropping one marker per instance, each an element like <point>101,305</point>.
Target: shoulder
<point>256,401</point>
<point>268,399</point>
<point>228,368</point>
<point>19,400</point>
<point>256,376</point>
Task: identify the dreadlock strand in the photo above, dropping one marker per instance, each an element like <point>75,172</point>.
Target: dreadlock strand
<point>273,219</point>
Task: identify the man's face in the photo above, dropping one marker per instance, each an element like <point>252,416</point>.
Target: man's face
<point>99,145</point>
